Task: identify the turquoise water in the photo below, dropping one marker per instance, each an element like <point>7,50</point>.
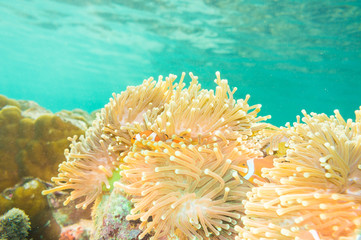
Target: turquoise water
<point>288,55</point>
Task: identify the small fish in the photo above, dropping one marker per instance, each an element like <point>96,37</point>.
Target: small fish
<point>173,139</point>
<point>152,136</point>
<point>147,134</point>
<point>253,168</point>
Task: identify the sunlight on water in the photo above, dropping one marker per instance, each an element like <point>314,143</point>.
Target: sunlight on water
<point>288,55</point>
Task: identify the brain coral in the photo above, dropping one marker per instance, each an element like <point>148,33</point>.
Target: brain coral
<point>315,190</point>
<point>178,151</point>
<point>30,146</point>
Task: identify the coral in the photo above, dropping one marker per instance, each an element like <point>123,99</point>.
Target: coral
<point>14,225</point>
<point>109,218</point>
<point>27,196</point>
<point>10,117</point>
<point>315,189</point>
<point>78,231</point>
<point>4,101</point>
<point>184,180</point>
<point>77,117</point>
<point>30,146</point>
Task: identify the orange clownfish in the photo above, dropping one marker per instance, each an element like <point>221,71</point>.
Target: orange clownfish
<point>147,134</point>
<point>254,168</point>
<point>174,139</point>
<point>152,136</point>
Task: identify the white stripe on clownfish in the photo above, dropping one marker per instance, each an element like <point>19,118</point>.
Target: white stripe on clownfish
<point>138,137</point>
<point>310,234</point>
<point>147,134</point>
<point>254,167</point>
<point>314,234</point>
<point>152,136</point>
<point>250,169</point>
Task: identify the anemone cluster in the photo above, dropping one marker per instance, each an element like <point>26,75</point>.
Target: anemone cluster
<point>179,155</point>
<point>178,151</point>
<point>315,189</point>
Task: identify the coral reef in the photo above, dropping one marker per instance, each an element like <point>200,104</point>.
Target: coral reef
<point>27,196</point>
<point>76,117</point>
<point>4,101</point>
<point>14,225</point>
<point>109,218</point>
<point>162,161</point>
<point>32,141</point>
<point>78,231</point>
<point>9,169</point>
<point>315,189</point>
<point>183,178</point>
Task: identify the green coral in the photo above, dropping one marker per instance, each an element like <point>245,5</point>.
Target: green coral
<point>14,225</point>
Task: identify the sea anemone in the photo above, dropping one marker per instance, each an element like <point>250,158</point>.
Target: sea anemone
<point>191,191</point>
<point>93,157</point>
<point>188,184</point>
<point>88,166</point>
<point>205,115</point>
<point>315,190</point>
<point>179,151</point>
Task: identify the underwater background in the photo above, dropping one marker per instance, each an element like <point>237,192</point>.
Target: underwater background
<point>61,60</point>
<point>288,55</point>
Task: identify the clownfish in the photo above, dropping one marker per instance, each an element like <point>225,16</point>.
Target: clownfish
<point>174,139</point>
<point>254,168</point>
<point>152,136</point>
<point>147,134</point>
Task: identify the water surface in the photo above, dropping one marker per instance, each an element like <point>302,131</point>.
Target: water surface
<point>288,55</point>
